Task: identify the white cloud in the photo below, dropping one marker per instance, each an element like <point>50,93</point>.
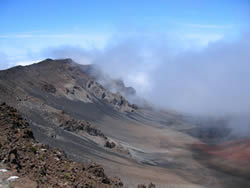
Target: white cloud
<point>24,63</point>
<point>203,38</point>
<point>11,61</point>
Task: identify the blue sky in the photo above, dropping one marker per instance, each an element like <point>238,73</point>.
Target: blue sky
<point>29,26</point>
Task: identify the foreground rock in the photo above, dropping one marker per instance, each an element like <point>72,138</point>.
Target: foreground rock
<point>39,164</point>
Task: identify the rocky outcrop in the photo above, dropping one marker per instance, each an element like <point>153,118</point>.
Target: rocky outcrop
<point>78,125</point>
<point>117,85</point>
<point>114,99</point>
<point>47,167</point>
<point>48,87</point>
<point>110,144</point>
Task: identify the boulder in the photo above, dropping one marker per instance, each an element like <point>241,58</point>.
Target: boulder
<point>110,144</point>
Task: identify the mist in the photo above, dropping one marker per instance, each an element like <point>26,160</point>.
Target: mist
<point>213,81</point>
<point>210,81</point>
<point>4,62</point>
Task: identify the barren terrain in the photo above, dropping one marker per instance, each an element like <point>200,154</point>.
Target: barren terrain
<point>144,145</point>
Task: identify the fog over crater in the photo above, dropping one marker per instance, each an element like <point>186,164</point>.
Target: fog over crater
<point>212,81</point>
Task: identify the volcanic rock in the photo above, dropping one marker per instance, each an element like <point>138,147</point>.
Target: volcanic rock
<point>42,165</point>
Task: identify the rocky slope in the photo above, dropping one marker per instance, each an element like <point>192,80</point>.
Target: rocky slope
<point>42,165</point>
<point>62,78</point>
<point>63,95</point>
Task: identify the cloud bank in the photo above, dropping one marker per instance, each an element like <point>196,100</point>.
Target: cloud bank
<point>213,80</point>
